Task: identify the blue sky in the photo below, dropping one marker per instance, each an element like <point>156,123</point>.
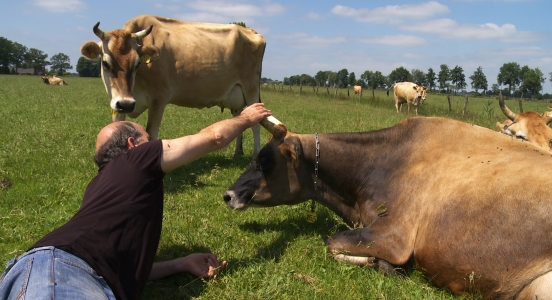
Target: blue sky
<point>309,36</point>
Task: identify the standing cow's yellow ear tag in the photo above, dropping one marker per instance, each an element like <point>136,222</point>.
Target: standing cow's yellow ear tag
<point>311,217</point>
<point>145,58</point>
<point>114,113</point>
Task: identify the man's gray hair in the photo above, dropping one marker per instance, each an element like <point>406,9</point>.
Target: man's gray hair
<point>117,143</point>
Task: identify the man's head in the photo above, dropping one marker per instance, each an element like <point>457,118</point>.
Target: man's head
<point>117,138</point>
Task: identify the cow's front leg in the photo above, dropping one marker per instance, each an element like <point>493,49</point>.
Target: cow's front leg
<point>155,115</point>
<point>116,117</point>
<point>365,248</point>
<point>238,151</point>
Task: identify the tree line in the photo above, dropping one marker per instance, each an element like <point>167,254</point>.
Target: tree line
<point>14,56</point>
<point>519,81</point>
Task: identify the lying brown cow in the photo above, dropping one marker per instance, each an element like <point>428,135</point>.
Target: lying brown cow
<point>409,93</point>
<point>53,80</point>
<point>416,195</point>
<point>530,126</point>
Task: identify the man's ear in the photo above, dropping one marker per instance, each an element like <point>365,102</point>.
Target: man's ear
<point>131,143</point>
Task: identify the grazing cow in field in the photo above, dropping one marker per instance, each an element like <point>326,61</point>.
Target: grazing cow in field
<point>53,80</point>
<point>358,89</point>
<point>154,61</point>
<point>468,207</point>
<point>409,93</point>
<point>529,126</point>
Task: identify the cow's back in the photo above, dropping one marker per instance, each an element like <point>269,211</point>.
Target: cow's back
<point>488,200</point>
<point>199,63</point>
<point>404,91</point>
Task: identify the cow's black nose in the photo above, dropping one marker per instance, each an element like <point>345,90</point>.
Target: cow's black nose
<point>227,197</point>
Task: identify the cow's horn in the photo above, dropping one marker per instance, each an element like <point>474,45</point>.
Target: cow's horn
<point>98,32</point>
<point>510,114</point>
<point>274,126</point>
<point>142,33</point>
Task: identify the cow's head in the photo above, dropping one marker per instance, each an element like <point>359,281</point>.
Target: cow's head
<point>421,92</point>
<point>121,53</point>
<point>530,126</point>
<point>278,176</point>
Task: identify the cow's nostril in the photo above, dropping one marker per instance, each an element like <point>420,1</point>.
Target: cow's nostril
<point>227,197</point>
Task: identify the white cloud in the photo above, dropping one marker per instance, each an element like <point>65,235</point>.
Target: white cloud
<point>393,14</point>
<point>60,6</point>
<point>448,28</point>
<point>395,40</point>
<point>236,9</point>
<point>303,40</point>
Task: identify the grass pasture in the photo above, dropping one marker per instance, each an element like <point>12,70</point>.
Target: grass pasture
<point>46,148</point>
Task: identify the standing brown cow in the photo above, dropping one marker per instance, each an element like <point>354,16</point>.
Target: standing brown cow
<point>409,93</point>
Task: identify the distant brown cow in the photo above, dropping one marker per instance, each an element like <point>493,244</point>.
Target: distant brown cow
<point>409,93</point>
<point>530,126</point>
<point>358,89</point>
<point>53,80</point>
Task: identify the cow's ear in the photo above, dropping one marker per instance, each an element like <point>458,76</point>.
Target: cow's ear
<point>91,50</point>
<point>148,53</point>
<point>291,152</point>
<point>415,87</point>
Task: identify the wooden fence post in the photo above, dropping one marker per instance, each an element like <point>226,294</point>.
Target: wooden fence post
<point>520,106</point>
<point>450,107</point>
<point>465,106</point>
<point>335,95</point>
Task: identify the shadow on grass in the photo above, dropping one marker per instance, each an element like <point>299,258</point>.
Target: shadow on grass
<point>188,175</point>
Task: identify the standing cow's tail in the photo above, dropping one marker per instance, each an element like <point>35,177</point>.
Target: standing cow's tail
<point>391,87</point>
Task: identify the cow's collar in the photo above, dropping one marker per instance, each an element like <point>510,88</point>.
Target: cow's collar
<point>311,216</point>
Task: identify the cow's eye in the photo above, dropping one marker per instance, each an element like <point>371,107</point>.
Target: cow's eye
<point>106,65</point>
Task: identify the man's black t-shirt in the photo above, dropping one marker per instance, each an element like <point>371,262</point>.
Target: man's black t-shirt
<point>118,226</point>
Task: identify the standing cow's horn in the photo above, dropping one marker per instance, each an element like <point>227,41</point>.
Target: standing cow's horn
<point>275,127</point>
<point>142,33</point>
<point>98,32</point>
<point>510,114</point>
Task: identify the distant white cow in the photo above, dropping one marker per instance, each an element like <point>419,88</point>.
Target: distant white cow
<point>409,93</point>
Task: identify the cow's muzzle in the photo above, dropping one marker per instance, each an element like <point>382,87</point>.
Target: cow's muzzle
<point>124,106</point>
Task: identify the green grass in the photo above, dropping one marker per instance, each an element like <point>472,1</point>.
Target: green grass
<point>46,148</point>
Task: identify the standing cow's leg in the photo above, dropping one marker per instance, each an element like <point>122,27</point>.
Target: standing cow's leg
<point>155,114</point>
<point>238,151</point>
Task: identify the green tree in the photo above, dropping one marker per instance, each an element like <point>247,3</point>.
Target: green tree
<point>352,79</point>
<point>479,80</point>
<point>36,59</point>
<point>18,55</point>
<point>430,78</point>
<point>60,64</point>
<point>419,77</point>
<point>458,78</point>
<point>365,78</point>
<point>343,78</point>
<point>321,77</point>
<point>5,55</point>
<point>242,24</point>
<point>509,74</point>
<point>532,82</point>
<point>400,74</point>
<point>443,77</point>
<point>89,67</point>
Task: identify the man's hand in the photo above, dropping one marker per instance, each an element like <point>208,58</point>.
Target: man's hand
<point>204,265</point>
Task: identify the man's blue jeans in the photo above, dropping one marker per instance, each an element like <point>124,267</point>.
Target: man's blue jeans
<point>50,273</point>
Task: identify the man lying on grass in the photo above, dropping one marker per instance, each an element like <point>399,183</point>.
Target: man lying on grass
<point>106,250</point>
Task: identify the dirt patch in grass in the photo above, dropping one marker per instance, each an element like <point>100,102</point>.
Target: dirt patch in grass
<point>5,183</point>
